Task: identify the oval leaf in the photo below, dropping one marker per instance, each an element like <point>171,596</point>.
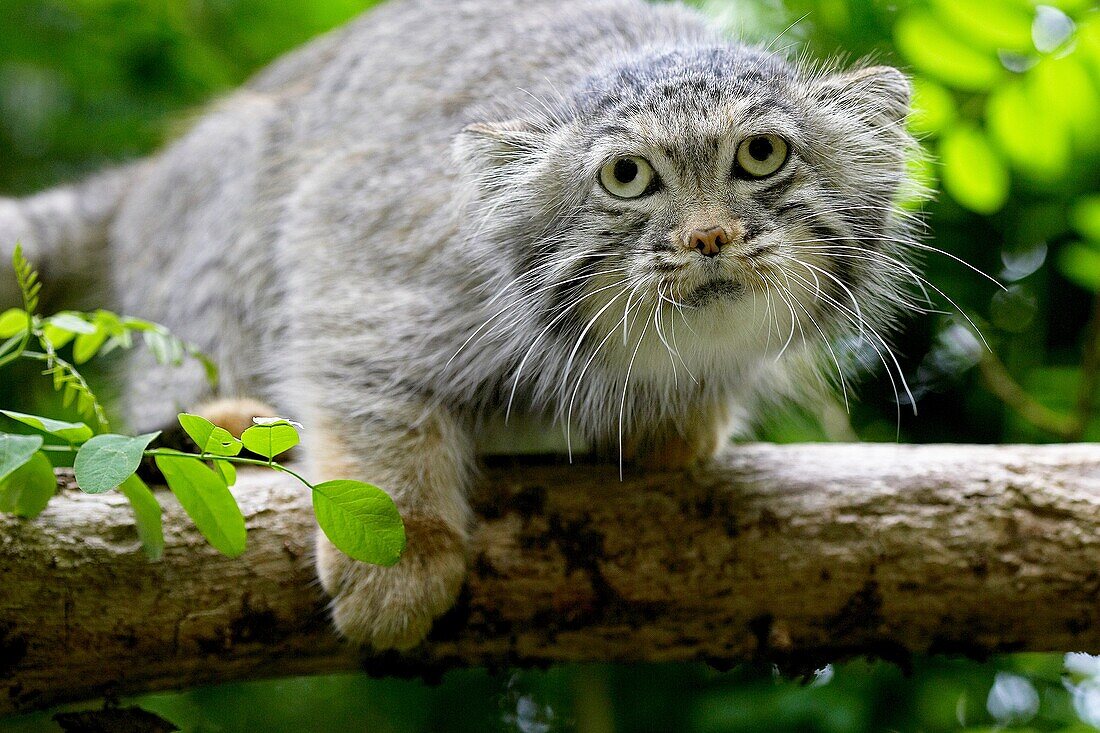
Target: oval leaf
<point>147,516</point>
<point>206,499</point>
<point>57,337</point>
<point>934,47</point>
<point>361,520</point>
<point>1081,264</point>
<point>70,321</point>
<point>208,436</point>
<point>270,439</point>
<point>29,488</point>
<point>13,321</point>
<point>72,432</point>
<point>107,460</point>
<point>16,450</point>
<point>972,172</point>
<point>87,345</point>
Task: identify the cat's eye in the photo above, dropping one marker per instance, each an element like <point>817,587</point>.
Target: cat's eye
<point>628,177</point>
<point>761,155</point>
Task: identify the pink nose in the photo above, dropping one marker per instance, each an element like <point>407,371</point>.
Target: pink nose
<point>707,241</point>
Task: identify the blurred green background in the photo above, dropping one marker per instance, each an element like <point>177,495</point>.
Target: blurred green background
<point>1007,103</point>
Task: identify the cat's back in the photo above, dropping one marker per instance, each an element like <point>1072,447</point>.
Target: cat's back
<point>345,144</point>
<point>439,63</point>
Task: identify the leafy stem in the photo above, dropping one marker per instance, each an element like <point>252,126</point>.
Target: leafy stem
<point>66,376</point>
<point>154,452</point>
<point>29,287</point>
<point>360,519</point>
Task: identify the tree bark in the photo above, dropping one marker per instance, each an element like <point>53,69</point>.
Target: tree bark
<point>797,555</point>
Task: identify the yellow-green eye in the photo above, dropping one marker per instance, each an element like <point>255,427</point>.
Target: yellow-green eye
<point>628,177</point>
<point>761,155</point>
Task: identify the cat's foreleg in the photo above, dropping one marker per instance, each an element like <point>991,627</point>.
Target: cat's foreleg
<point>423,457</point>
<point>669,446</point>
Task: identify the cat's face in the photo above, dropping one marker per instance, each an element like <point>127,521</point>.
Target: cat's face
<point>723,188</point>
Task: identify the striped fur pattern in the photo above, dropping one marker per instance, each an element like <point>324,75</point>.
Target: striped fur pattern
<point>397,236</point>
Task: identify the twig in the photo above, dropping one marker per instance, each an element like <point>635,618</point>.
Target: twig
<point>1008,390</point>
<point>1090,372</point>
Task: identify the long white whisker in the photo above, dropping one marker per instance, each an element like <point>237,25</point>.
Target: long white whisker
<point>543,332</point>
<point>626,386</point>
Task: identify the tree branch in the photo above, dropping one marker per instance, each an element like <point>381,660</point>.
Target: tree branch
<point>797,554</point>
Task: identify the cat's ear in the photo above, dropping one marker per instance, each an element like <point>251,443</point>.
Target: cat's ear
<point>880,92</point>
<point>493,144</point>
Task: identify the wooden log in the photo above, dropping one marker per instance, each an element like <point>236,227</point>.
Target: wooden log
<point>793,554</point>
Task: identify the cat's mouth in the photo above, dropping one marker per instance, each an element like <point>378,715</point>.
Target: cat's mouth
<point>714,290</point>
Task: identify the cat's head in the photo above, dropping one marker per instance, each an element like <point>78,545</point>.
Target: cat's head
<point>741,201</point>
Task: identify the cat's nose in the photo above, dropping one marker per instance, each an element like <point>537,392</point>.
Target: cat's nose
<point>709,242</point>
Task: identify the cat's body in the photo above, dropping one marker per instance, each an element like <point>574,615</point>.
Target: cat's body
<point>403,231</point>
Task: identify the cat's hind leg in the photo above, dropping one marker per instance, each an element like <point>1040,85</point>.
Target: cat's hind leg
<point>234,414</point>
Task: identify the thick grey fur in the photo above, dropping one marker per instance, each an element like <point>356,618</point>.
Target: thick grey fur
<point>397,235</point>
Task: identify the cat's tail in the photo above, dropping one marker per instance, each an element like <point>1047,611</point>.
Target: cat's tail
<point>63,231</point>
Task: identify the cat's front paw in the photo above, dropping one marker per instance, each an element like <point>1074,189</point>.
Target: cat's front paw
<point>394,607</point>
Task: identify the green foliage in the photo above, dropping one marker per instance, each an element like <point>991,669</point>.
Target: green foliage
<point>94,333</point>
<point>928,42</point>
<point>270,438</point>
<point>360,519</point>
<point>27,278</point>
<point>208,436</point>
<point>107,460</point>
<point>26,490</point>
<point>147,515</point>
<point>70,432</point>
<point>206,499</point>
<point>16,450</point>
<point>972,171</point>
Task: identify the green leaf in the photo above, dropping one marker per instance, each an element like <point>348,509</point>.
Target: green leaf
<point>933,107</point>
<point>935,49</point>
<point>147,516</point>
<point>1065,88</point>
<point>139,324</point>
<point>208,436</point>
<point>109,322</point>
<point>27,277</point>
<point>993,25</point>
<point>1016,119</point>
<point>105,461</point>
<point>12,321</point>
<point>16,450</point>
<point>227,470</point>
<point>1085,216</point>
<point>206,499</point>
<point>57,337</point>
<point>70,321</point>
<point>123,340</point>
<point>11,345</point>
<point>72,432</point>
<point>166,348</point>
<point>209,368</point>
<point>87,344</point>
<point>270,439</point>
<point>972,172</point>
<point>26,491</point>
<point>1081,264</point>
<point>361,520</point>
